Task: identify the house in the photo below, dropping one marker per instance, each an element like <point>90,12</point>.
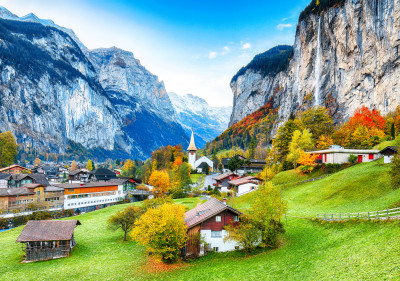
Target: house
<point>15,169</point>
<point>388,153</point>
<point>192,157</point>
<point>78,176</point>
<point>339,155</point>
<point>224,162</point>
<point>17,180</point>
<point>222,180</point>
<point>49,239</point>
<point>31,197</point>
<point>51,172</point>
<point>208,220</point>
<point>85,197</point>
<point>252,166</point>
<point>4,180</point>
<point>244,185</point>
<point>126,184</point>
<point>101,174</point>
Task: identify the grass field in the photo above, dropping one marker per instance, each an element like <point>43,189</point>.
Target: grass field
<point>309,250</point>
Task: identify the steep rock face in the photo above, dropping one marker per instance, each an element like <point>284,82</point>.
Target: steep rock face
<point>54,90</point>
<point>139,98</point>
<point>49,92</point>
<point>358,64</point>
<point>195,113</point>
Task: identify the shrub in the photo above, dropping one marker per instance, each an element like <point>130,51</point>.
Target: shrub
<point>353,159</point>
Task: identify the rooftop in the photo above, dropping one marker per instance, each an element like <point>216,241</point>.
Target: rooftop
<point>83,185</point>
<point>48,230</point>
<point>205,211</point>
<point>224,175</point>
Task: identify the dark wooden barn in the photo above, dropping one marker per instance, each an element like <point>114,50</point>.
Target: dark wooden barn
<point>49,239</point>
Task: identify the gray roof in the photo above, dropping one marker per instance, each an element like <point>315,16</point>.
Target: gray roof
<point>83,185</point>
<point>205,211</point>
<point>48,230</point>
<point>5,192</point>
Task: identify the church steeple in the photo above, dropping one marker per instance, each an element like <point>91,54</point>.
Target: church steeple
<point>192,145</point>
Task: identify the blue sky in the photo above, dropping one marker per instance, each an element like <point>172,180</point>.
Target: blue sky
<point>193,46</point>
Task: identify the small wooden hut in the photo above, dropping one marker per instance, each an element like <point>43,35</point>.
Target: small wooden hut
<point>49,239</point>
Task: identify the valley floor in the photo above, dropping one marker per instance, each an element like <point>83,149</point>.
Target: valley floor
<point>310,250</point>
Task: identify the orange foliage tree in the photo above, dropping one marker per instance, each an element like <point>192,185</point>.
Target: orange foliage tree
<point>161,182</point>
<point>307,162</point>
<point>367,118</point>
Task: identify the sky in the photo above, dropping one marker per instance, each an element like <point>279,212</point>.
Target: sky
<point>194,46</point>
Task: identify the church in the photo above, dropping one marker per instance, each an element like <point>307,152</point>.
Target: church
<point>197,164</point>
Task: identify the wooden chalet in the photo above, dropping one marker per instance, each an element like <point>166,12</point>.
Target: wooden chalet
<point>223,179</point>
<point>208,221</point>
<point>49,239</point>
<point>388,153</point>
<point>102,174</point>
<point>15,169</point>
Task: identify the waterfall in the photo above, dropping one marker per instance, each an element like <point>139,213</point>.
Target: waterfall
<point>318,66</point>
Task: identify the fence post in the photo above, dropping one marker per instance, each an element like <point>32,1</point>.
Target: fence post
<point>377,215</point>
<point>387,214</point>
<point>358,216</point>
<point>340,216</point>
<point>368,215</point>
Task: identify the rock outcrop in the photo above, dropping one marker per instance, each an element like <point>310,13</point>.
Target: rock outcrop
<point>343,58</point>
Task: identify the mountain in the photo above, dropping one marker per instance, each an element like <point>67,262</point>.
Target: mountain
<point>54,92</point>
<point>345,54</point>
<point>195,113</point>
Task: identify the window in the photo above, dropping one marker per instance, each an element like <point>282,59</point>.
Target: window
<point>236,218</point>
<point>218,218</point>
<point>216,234</point>
<point>215,249</point>
<point>38,193</point>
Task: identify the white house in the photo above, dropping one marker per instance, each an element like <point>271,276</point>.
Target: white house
<point>388,153</point>
<point>244,185</point>
<point>208,220</point>
<point>192,157</point>
<point>339,155</point>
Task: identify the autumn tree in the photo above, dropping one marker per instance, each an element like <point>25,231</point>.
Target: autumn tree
<point>252,148</point>
<point>395,172</point>
<point>124,220</point>
<point>73,166</point>
<point>246,233</point>
<point>266,211</point>
<point>161,182</point>
<point>324,141</point>
<point>318,121</point>
<point>301,141</point>
<point>37,162</point>
<point>128,170</point>
<point>307,162</point>
<point>162,231</point>
<point>89,165</point>
<point>284,137</point>
<point>8,149</point>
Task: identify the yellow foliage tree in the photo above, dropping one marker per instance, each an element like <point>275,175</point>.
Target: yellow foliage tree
<point>89,165</point>
<point>324,142</point>
<point>128,168</point>
<point>161,182</point>
<point>307,162</point>
<point>73,166</point>
<point>37,162</point>
<point>162,231</point>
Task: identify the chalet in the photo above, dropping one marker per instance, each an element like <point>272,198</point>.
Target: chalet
<point>339,155</point>
<point>49,239</point>
<point>223,179</point>
<point>17,180</point>
<point>101,174</point>
<point>252,166</point>
<point>244,185</point>
<point>84,197</point>
<point>15,169</point>
<point>51,172</point>
<point>388,153</point>
<point>208,220</point>
<point>78,176</point>
<point>126,184</point>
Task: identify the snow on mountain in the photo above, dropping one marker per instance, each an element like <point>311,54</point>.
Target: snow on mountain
<point>193,112</point>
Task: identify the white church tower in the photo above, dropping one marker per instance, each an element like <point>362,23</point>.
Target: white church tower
<point>192,152</point>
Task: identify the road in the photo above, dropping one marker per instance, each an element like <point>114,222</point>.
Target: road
<point>208,181</point>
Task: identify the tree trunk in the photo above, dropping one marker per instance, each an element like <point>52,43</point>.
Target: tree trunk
<point>125,235</point>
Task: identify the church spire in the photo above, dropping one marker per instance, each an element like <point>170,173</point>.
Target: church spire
<point>192,145</point>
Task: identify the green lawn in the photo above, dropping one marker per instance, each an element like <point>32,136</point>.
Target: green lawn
<point>384,144</point>
<point>292,176</point>
<point>195,177</point>
<point>309,250</point>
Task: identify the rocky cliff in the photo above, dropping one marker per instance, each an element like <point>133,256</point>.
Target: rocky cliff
<point>195,113</point>
<point>343,57</point>
<point>54,90</point>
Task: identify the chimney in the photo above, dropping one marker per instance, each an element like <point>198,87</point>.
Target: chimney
<point>224,201</point>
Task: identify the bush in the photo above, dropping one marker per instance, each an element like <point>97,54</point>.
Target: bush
<point>353,159</point>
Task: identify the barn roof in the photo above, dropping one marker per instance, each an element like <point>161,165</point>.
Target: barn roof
<point>16,191</point>
<point>48,230</point>
<point>205,211</point>
<point>240,181</point>
<point>394,149</point>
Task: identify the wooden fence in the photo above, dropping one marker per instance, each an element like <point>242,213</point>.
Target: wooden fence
<point>374,215</point>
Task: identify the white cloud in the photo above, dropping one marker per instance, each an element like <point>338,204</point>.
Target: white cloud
<point>226,50</point>
<point>282,26</point>
<point>212,55</point>
<point>246,46</point>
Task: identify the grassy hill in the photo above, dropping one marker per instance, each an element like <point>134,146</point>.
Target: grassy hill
<point>309,250</point>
